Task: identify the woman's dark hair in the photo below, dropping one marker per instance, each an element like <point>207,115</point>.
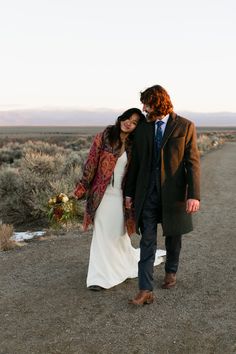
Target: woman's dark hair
<point>158,99</point>
<point>114,131</point>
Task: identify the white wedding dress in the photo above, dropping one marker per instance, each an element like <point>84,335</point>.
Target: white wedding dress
<point>112,257</point>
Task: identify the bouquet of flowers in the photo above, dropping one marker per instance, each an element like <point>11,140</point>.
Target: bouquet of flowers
<point>61,209</point>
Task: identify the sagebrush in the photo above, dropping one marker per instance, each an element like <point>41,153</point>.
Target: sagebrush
<point>43,170</point>
<point>6,232</point>
<point>33,171</point>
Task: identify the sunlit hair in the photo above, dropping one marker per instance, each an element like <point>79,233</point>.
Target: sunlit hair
<point>157,98</point>
<point>115,130</point>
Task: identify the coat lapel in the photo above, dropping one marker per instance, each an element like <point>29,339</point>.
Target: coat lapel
<point>171,124</point>
<point>151,134</point>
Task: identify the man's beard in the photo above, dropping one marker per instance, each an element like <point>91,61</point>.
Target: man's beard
<point>151,117</point>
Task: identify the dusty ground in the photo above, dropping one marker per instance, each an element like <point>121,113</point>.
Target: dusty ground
<point>46,308</point>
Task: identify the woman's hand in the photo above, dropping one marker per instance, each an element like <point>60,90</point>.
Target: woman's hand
<point>128,202</point>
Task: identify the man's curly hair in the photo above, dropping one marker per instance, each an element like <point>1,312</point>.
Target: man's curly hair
<point>157,98</point>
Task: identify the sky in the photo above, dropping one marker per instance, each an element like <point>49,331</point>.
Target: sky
<point>100,54</point>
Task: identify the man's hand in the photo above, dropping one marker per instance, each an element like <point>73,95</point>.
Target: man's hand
<point>192,205</point>
<point>128,202</point>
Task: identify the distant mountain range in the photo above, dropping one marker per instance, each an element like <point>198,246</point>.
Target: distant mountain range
<point>67,117</point>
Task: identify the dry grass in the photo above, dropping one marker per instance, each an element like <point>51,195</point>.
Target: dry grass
<point>208,142</point>
<point>6,232</point>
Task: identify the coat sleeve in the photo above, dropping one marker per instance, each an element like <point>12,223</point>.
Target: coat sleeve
<point>192,164</point>
<point>90,167</point>
<point>132,173</point>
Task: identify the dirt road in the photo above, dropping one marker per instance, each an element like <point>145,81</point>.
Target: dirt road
<point>45,307</point>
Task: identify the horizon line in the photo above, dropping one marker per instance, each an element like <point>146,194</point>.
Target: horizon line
<point>94,126</point>
<point>97,109</point>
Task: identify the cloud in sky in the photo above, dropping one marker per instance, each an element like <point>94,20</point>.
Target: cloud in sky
<point>72,53</point>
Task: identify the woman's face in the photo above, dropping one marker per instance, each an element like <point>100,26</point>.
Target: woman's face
<point>128,125</point>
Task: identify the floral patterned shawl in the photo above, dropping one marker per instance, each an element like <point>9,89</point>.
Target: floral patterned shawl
<point>97,174</point>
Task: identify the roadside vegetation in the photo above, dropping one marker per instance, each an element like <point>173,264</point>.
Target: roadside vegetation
<point>33,170</point>
<point>6,243</point>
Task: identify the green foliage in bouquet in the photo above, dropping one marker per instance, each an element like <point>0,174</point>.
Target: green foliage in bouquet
<point>61,209</point>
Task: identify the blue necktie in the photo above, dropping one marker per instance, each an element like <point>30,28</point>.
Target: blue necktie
<point>158,135</point>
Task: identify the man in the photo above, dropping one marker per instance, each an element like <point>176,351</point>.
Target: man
<point>163,186</point>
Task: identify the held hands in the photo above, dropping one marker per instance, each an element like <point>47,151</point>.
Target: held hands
<point>192,205</point>
<point>128,202</point>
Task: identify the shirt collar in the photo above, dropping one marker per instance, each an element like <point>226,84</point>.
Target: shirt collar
<point>164,120</point>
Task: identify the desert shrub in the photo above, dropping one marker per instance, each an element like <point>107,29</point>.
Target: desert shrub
<point>204,143</point>
<point>13,151</point>
<point>6,232</point>
<point>216,141</point>
<point>10,152</point>
<point>42,147</point>
<point>83,156</point>
<point>40,163</point>
<point>25,191</point>
<point>11,208</point>
<point>78,144</point>
<point>73,160</point>
<point>207,142</point>
<point>45,170</point>
<point>90,139</point>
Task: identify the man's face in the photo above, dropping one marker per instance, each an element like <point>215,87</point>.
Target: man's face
<point>147,109</point>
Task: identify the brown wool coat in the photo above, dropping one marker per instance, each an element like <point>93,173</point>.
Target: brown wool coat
<point>180,172</point>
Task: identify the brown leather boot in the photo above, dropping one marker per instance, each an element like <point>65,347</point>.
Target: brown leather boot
<point>169,281</point>
<point>143,297</point>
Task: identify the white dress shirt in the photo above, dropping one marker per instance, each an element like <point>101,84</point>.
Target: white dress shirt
<point>163,126</point>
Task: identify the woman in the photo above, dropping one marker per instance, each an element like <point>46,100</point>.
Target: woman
<point>112,257</point>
